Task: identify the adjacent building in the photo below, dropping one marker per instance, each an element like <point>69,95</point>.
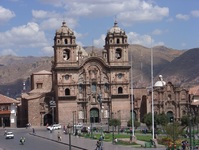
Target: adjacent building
<point>8,111</point>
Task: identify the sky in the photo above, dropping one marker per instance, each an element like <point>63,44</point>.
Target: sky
<point>27,27</point>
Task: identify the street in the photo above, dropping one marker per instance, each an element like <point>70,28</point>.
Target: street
<point>31,143</point>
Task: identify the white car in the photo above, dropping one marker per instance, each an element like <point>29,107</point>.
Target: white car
<point>54,127</point>
<point>79,125</point>
<point>9,135</point>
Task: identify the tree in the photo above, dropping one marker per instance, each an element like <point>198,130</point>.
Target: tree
<point>162,119</point>
<point>136,123</point>
<point>173,130</point>
<point>148,120</point>
<point>114,122</point>
<point>185,121</point>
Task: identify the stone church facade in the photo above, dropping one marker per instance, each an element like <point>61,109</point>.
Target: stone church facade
<point>93,88</point>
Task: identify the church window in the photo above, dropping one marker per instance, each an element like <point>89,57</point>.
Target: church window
<point>39,85</point>
<point>120,90</point>
<point>66,54</point>
<point>58,41</point>
<point>169,97</point>
<point>106,87</point>
<point>120,75</point>
<point>65,41</point>
<point>118,41</point>
<point>67,91</point>
<point>80,87</point>
<point>93,87</point>
<point>111,40</point>
<point>118,53</point>
<point>67,77</point>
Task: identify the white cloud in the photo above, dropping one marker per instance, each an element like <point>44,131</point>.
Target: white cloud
<point>41,14</point>
<point>8,52</point>
<point>195,13</point>
<point>133,38</point>
<point>182,17</point>
<point>5,15</point>
<point>127,11</point>
<point>145,40</point>
<point>157,32</point>
<point>25,36</point>
<point>48,50</point>
<point>99,42</point>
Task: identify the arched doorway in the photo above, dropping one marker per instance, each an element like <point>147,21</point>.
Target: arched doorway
<point>47,119</point>
<point>94,115</point>
<point>170,115</point>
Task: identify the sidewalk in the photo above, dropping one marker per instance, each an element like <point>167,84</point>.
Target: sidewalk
<point>84,143</point>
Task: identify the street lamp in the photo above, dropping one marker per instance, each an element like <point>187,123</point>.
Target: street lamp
<point>99,99</point>
<point>52,105</point>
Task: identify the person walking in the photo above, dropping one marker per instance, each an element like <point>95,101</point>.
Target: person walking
<point>33,130</point>
<point>59,137</point>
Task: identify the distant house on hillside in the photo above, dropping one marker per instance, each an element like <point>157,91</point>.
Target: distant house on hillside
<point>8,111</point>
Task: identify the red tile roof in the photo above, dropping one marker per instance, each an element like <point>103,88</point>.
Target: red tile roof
<point>7,100</point>
<point>194,90</point>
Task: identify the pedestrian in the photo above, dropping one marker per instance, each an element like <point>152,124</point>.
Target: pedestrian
<point>115,141</point>
<point>33,130</point>
<point>5,132</point>
<point>59,136</point>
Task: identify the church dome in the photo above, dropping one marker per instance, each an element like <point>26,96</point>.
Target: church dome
<point>116,29</point>
<point>160,83</point>
<point>64,29</point>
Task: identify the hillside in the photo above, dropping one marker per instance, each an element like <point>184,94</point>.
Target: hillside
<point>14,70</point>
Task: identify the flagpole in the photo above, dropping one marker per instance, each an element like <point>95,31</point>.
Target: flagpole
<point>152,101</point>
<point>132,99</point>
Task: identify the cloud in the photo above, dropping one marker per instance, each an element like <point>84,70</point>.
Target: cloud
<point>99,42</point>
<point>51,20</point>
<point>182,17</point>
<point>157,32</point>
<point>8,52</point>
<point>5,15</point>
<point>195,13</point>
<point>133,38</point>
<point>25,36</point>
<point>126,11</point>
<point>48,50</point>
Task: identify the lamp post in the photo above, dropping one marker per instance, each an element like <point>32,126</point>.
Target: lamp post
<point>74,122</point>
<point>99,98</point>
<point>52,106</point>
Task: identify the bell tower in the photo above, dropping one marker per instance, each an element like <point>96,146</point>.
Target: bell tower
<point>65,47</point>
<point>116,46</point>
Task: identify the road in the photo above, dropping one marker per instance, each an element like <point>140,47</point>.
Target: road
<point>32,142</point>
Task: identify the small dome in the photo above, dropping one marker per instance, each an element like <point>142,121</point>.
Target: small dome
<point>64,29</point>
<point>160,83</point>
<point>116,29</point>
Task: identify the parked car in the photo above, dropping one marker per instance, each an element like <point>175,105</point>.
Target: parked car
<point>54,127</point>
<point>79,125</point>
<point>9,135</point>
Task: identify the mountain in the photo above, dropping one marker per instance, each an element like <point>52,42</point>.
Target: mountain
<point>170,63</point>
<point>183,70</point>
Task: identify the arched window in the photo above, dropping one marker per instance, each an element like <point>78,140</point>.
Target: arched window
<point>66,54</point>
<point>67,91</point>
<point>120,90</point>
<point>93,87</point>
<point>106,87</point>
<point>118,41</point>
<point>80,87</point>
<point>118,53</point>
<point>65,41</point>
